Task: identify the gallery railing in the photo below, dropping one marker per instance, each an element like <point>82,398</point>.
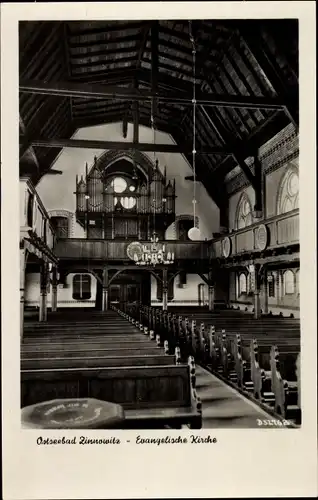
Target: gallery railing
<point>276,232</point>
<point>77,248</point>
<point>35,224</point>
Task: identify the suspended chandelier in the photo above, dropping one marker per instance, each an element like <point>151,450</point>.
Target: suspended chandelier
<point>153,253</point>
<point>194,233</point>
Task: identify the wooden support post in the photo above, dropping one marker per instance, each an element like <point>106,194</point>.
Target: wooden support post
<point>105,290</point>
<point>257,303</point>
<point>165,289</point>
<point>43,292</point>
<point>211,297</point>
<point>258,188</point>
<point>22,291</point>
<point>280,286</point>
<point>54,290</point>
<point>265,290</point>
<point>113,227</point>
<point>139,229</point>
<point>105,299</point>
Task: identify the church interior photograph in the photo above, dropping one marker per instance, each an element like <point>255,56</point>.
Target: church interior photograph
<point>159,224</point>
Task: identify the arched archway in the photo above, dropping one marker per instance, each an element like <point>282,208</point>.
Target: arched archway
<point>243,217</point>
<point>288,191</point>
<point>109,158</point>
<point>68,229</point>
<point>180,226</point>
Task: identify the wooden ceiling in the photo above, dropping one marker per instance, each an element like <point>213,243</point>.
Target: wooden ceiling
<point>78,74</point>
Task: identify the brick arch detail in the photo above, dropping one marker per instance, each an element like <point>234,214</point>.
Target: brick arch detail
<point>68,215</point>
<point>184,217</point>
<point>108,158</point>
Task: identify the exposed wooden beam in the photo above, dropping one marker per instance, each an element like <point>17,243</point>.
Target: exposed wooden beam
<point>236,153</point>
<point>115,117</point>
<point>41,45</point>
<point>26,144</point>
<point>253,39</point>
<point>53,172</point>
<point>154,66</point>
<point>135,104</point>
<point>258,175</point>
<point>115,77</point>
<point>136,118</point>
<point>107,43</point>
<point>110,27</point>
<point>95,144</point>
<point>112,92</point>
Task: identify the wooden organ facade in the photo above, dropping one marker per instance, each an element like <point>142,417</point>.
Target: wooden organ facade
<point>125,205</point>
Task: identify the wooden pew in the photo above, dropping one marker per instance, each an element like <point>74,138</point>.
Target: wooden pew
<point>154,396</point>
<point>243,360</point>
<point>95,361</point>
<point>100,342</point>
<point>284,383</point>
<point>91,352</point>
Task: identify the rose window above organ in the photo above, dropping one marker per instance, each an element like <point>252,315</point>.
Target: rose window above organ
<point>119,185</point>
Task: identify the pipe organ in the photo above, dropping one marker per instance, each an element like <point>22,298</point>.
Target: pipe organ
<point>124,206</point>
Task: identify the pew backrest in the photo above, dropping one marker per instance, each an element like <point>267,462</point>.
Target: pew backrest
<point>131,387</point>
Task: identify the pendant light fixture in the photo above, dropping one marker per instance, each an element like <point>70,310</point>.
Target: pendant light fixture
<point>194,233</point>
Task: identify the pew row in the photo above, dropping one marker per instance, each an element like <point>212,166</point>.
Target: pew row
<point>233,356</point>
<point>152,396</point>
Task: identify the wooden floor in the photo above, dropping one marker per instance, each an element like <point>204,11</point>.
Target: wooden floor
<point>223,406</point>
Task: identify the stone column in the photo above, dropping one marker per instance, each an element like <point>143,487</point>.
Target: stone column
<point>22,290</point>
<point>211,297</point>
<point>54,290</point>
<point>43,292</point>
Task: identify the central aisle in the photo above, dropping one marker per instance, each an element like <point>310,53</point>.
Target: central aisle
<point>223,407</point>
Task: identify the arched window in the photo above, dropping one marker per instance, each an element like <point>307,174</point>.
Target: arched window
<point>128,202</point>
<point>183,224</point>
<point>81,287</point>
<point>61,226</point>
<point>289,282</point>
<point>288,195</point>
<point>244,212</point>
<point>242,284</point>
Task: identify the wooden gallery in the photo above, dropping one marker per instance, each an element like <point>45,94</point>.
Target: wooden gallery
<point>159,239</point>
